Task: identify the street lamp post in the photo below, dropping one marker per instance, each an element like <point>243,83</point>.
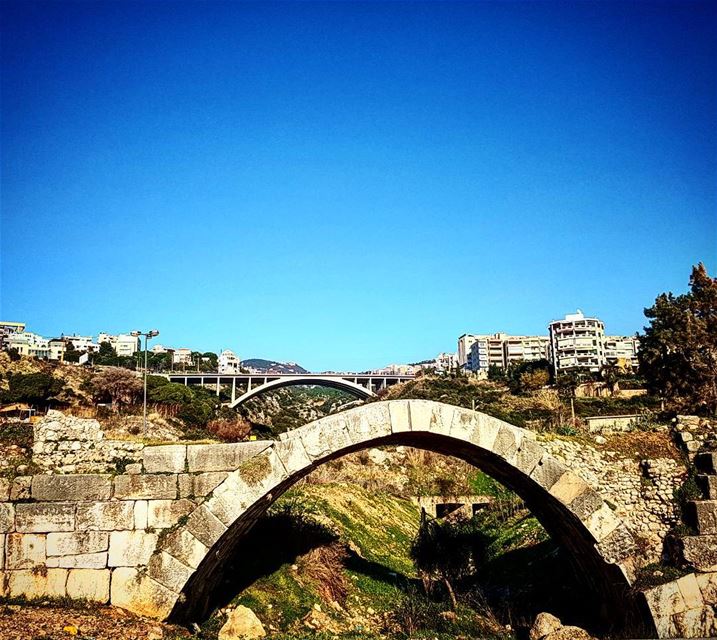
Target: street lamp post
<point>148,335</point>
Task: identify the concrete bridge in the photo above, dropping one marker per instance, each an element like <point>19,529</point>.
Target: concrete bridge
<point>247,385</point>
<point>154,539</point>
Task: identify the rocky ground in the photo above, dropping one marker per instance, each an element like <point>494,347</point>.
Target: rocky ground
<point>51,622</point>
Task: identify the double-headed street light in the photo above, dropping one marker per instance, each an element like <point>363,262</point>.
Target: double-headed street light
<point>148,335</point>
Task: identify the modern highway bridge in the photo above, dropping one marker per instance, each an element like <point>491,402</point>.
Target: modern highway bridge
<point>247,385</point>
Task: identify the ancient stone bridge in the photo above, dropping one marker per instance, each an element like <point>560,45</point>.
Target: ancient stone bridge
<point>153,537</point>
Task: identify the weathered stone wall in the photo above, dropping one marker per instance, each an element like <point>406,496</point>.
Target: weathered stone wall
<point>87,535</point>
<point>65,444</point>
<point>641,492</point>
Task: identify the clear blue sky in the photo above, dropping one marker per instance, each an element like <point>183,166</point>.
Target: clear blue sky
<point>347,185</point>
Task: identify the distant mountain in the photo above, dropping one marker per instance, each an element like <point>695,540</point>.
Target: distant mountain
<point>270,366</point>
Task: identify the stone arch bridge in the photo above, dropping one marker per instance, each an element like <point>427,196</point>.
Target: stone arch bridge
<point>154,538</point>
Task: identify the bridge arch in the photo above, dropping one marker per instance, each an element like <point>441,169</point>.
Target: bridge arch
<point>353,388</point>
<point>180,572</point>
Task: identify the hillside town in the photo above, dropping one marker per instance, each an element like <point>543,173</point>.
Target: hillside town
<point>573,343</point>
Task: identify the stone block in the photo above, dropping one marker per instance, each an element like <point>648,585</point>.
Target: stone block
<point>547,472</point>
<point>695,623</point>
<point>602,523</point>
<point>528,456</point>
<point>618,545</point>
<point>20,488</point>
<point>139,593</point>
<point>89,584</point>
<point>708,484</point>
<point>205,483</point>
<point>690,590</point>
<point>105,516</point>
<point>131,548</point>
<point>368,423</point>
<point>507,442</point>
<point>185,485</point>
<point>37,584</point>
<point>486,432</point>
<point>44,517</point>
<point>568,487</point>
<point>7,517</point>
<point>400,415</point>
<point>324,436</point>
<point>707,462</point>
<point>133,469</point>
<point>81,561</point>
<point>4,489</point>
<point>665,600</point>
<point>261,473</point>
<point>170,458</point>
<point>185,548</point>
<point>586,504</point>
<point>141,520</point>
<point>25,550</point>
<point>292,454</point>
<point>169,571</point>
<point>703,514</point>
<point>146,487</point>
<point>700,552</point>
<point>205,526</point>
<point>222,457</point>
<point>707,583</point>
<point>75,543</point>
<point>71,487</point>
<point>162,514</point>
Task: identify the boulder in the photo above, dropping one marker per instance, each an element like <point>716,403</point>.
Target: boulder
<point>548,627</point>
<point>544,624</point>
<point>569,633</point>
<point>242,624</point>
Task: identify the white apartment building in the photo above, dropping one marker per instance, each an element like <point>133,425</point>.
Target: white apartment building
<point>182,356</point>
<point>123,344</point>
<point>83,343</point>
<point>465,342</point>
<point>57,348</point>
<point>622,351</point>
<point>158,348</point>
<point>9,328</point>
<point>577,342</point>
<point>229,362</point>
<point>502,350</point>
<point>29,344</point>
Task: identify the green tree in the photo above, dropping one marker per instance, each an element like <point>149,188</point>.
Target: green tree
<point>445,551</point>
<point>34,388</point>
<point>678,350</point>
<point>106,355</point>
<point>71,354</point>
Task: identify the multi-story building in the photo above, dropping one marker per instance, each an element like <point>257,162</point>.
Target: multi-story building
<point>57,348</point>
<point>229,362</point>
<point>9,328</point>
<point>525,349</point>
<point>158,348</point>
<point>465,342</point>
<point>83,343</point>
<point>502,350</point>
<point>29,344</point>
<point>622,351</point>
<point>123,344</point>
<point>182,356</point>
<point>577,342</point>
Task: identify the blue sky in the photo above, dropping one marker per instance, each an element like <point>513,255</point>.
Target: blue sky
<point>347,185</point>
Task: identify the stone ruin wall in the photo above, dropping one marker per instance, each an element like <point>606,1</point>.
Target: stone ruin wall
<point>87,526</point>
<point>641,491</point>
